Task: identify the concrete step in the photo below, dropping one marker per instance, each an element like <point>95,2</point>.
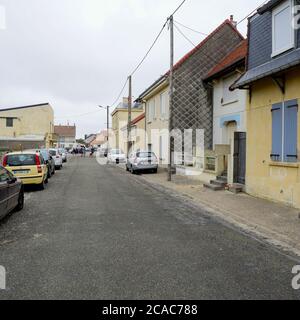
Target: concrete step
<point>220,183</point>
<point>213,187</point>
<point>222,178</point>
<point>236,188</point>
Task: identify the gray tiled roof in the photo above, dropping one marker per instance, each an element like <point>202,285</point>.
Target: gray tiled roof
<point>281,63</point>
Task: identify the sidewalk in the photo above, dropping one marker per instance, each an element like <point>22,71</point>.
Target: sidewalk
<point>275,223</point>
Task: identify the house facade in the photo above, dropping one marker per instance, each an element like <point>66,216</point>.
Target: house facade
<point>66,136</point>
<point>156,102</point>
<point>229,115</point>
<point>273,81</point>
<point>192,101</point>
<point>27,127</point>
<point>137,134</point>
<point>120,119</point>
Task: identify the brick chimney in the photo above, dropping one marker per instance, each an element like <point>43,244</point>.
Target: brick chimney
<point>234,23</point>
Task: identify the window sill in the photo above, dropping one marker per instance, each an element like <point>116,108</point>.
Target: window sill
<point>294,165</point>
<point>224,104</point>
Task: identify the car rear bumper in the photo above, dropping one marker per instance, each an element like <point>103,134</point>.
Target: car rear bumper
<point>32,180</point>
<point>145,167</point>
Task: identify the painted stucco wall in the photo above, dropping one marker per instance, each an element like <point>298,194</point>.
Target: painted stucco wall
<point>30,121</point>
<point>227,112</point>
<point>264,178</point>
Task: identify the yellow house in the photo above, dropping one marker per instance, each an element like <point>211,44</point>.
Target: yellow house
<point>119,120</point>
<point>156,100</point>
<point>27,127</point>
<point>138,134</point>
<point>273,122</point>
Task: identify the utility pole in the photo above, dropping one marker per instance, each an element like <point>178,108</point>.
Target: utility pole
<point>171,81</point>
<point>107,115</point>
<point>129,116</point>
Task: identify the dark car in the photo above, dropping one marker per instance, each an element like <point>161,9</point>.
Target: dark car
<point>49,161</point>
<point>11,193</point>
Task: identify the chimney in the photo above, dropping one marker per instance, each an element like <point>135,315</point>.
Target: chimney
<point>234,23</point>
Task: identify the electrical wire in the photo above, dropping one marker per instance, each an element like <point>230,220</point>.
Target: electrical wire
<point>191,29</point>
<point>252,12</point>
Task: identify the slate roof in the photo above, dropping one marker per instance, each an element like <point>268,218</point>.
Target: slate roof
<point>269,6</point>
<point>277,65</point>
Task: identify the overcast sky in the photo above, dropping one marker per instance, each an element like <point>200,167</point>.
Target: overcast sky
<point>77,54</point>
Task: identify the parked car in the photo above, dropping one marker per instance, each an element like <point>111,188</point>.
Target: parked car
<point>11,193</point>
<point>29,166</point>
<point>142,161</point>
<point>49,161</point>
<point>63,153</point>
<point>57,158</point>
<point>116,156</point>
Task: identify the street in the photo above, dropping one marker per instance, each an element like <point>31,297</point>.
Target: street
<point>98,232</point>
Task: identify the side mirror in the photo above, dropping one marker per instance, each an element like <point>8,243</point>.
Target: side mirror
<point>12,181</point>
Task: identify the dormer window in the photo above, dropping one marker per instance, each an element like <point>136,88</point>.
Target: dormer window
<point>283,32</point>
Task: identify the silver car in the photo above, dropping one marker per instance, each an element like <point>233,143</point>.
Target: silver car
<point>142,161</point>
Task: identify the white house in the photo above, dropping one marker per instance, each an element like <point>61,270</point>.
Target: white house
<point>229,115</point>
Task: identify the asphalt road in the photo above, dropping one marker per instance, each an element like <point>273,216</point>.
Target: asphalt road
<point>98,232</point>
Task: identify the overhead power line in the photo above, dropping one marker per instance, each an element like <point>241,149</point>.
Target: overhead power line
<point>120,94</point>
<point>252,12</point>
<point>191,29</point>
<point>151,47</point>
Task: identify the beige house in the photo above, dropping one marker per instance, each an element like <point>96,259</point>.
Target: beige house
<point>119,120</point>
<point>138,134</point>
<point>27,127</point>
<point>66,136</point>
<point>156,101</point>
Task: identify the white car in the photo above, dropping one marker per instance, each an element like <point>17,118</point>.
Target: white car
<point>142,161</point>
<point>116,156</point>
<point>57,158</point>
<point>63,153</point>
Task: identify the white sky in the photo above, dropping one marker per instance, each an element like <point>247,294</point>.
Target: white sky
<point>76,54</point>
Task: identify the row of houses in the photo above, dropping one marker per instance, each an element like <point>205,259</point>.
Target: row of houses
<point>33,126</point>
<point>244,93</point>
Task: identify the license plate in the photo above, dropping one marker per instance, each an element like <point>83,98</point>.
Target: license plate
<point>21,172</point>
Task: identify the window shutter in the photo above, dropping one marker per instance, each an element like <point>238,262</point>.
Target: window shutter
<point>277,132</point>
<point>290,130</point>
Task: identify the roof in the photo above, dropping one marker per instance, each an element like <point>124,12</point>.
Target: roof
<point>65,131</point>
<point>227,22</point>
<point>235,57</point>
<point>26,107</point>
<point>138,119</point>
<point>269,6</point>
<point>158,82</point>
<point>273,67</point>
<point>153,86</point>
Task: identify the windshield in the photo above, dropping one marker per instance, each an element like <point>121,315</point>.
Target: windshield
<point>53,153</point>
<point>145,155</point>
<point>21,160</point>
<point>116,151</point>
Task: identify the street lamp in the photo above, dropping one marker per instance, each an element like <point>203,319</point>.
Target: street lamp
<point>107,112</point>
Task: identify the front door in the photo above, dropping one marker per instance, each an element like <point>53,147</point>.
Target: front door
<point>239,155</point>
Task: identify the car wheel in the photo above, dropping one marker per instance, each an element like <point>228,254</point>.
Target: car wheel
<point>132,170</point>
<point>46,180</point>
<point>127,169</point>
<point>20,205</point>
<point>155,171</point>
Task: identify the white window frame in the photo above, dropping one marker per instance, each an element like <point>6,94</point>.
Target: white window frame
<point>151,110</point>
<point>164,106</point>
<point>232,95</point>
<point>290,4</point>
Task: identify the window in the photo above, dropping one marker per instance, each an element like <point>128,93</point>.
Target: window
<point>151,112</point>
<point>164,105</point>
<point>9,122</point>
<point>4,175</point>
<point>283,32</point>
<point>228,95</point>
<point>284,131</point>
